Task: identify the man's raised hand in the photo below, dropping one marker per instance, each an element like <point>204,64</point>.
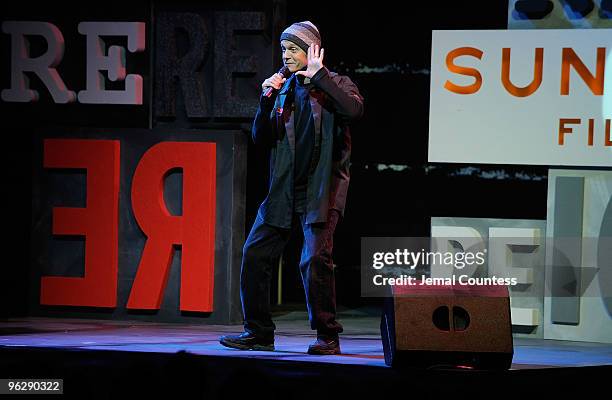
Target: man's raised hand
<point>315,61</point>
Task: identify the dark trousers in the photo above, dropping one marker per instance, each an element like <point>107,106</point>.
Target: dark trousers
<point>260,256</point>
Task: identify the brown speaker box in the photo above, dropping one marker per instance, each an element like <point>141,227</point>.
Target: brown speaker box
<point>448,327</point>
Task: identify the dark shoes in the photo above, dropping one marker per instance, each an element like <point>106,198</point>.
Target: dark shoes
<point>247,341</point>
<point>325,345</point>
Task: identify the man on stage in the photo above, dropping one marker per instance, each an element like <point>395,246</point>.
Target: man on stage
<point>305,122</point>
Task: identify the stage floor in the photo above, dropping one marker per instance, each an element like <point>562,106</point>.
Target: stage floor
<point>360,341</point>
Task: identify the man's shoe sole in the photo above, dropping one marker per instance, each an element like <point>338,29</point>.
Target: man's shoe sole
<point>256,347</point>
<point>324,352</point>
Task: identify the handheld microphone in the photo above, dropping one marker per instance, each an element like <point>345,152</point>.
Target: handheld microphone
<point>284,71</point>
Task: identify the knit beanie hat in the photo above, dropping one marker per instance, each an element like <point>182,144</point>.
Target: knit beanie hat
<point>302,34</point>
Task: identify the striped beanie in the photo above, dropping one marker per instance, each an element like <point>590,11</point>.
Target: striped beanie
<point>302,34</point>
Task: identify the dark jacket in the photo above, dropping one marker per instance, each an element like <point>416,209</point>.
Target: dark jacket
<point>335,102</point>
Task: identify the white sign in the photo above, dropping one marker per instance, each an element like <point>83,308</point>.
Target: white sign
<point>539,97</point>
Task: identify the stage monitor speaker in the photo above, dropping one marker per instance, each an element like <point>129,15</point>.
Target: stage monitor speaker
<point>448,327</point>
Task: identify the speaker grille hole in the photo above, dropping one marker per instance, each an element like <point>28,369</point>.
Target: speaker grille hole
<point>441,318</point>
<point>461,319</point>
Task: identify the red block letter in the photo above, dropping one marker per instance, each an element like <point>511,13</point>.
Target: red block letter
<point>194,230</point>
<point>98,222</point>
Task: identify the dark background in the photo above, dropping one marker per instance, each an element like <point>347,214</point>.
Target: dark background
<point>385,50</point>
